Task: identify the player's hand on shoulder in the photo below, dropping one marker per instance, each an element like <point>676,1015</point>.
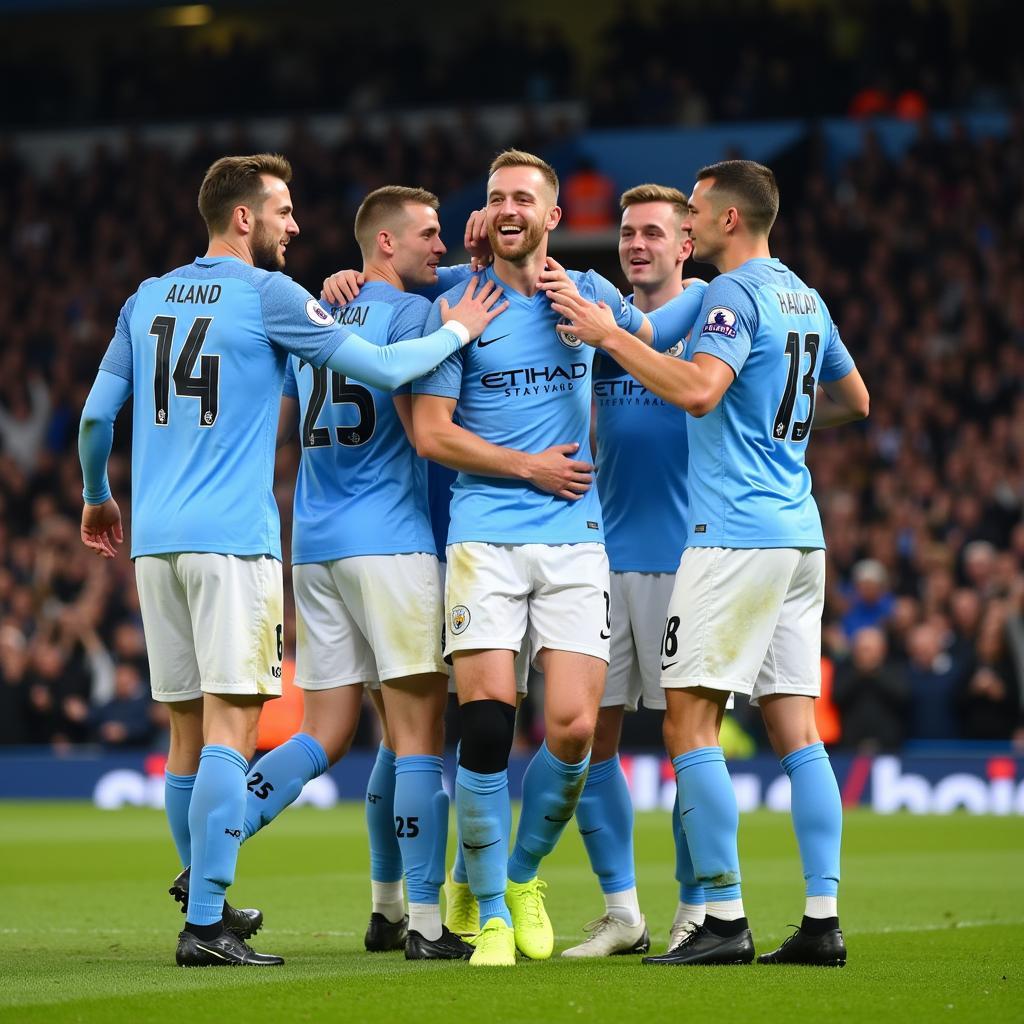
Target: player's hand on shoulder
<point>477,244</point>
<point>690,281</point>
<point>342,286</point>
<point>555,281</point>
<point>477,307</point>
<point>101,528</point>
<point>556,472</point>
<point>591,322</point>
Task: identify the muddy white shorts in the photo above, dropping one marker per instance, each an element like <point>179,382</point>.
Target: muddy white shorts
<point>747,620</point>
<point>367,619</point>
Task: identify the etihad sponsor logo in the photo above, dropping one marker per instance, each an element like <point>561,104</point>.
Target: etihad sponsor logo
<point>535,380</point>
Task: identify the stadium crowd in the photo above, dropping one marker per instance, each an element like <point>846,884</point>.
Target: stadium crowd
<point>625,66</point>
<point>920,261</point>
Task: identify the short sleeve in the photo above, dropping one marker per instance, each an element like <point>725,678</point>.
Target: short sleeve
<point>407,322</point>
<point>291,385</point>
<point>599,289</point>
<point>836,362</point>
<point>297,322</point>
<point>727,323</point>
<point>118,357</point>
<point>445,380</point>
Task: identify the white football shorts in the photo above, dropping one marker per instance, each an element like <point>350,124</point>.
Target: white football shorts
<point>747,620</point>
<point>367,619</point>
<point>214,623</point>
<point>639,606</point>
<point>552,596</point>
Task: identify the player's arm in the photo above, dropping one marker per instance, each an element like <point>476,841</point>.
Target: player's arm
<point>288,420</point>
<point>403,407</point>
<point>344,285</point>
<point>440,439</point>
<point>660,329</point>
<point>841,401</point>
<point>696,386</point>
<point>101,518</point>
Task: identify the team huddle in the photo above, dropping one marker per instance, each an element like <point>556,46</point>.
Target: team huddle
<point>631,517</point>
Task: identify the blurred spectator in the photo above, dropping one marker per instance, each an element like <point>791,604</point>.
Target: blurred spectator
<point>872,695</point>
<point>125,720</point>
<point>934,680</point>
<point>871,602</point>
<point>589,198</point>
<point>24,421</point>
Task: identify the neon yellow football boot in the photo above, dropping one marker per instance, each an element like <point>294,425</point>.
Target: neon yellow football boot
<point>462,912</point>
<point>534,935</point>
<point>495,945</point>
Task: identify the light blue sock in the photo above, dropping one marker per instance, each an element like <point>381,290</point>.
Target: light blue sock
<point>277,778</point>
<point>690,890</point>
<point>421,820</point>
<point>485,820</point>
<point>605,818</point>
<point>385,854</point>
<point>817,810</point>
<point>551,791</point>
<point>459,867</point>
<point>215,818</point>
<point>177,796</point>
<point>710,817</point>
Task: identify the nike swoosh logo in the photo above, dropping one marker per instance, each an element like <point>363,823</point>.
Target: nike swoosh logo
<point>669,665</point>
<point>490,341</point>
<point>483,846</point>
<point>547,817</point>
<point>605,636</point>
<point>206,949</point>
<point>589,831</point>
<point>683,814</point>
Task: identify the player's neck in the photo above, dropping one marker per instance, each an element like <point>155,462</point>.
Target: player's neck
<point>375,271</point>
<point>647,300</point>
<point>522,276</point>
<point>743,250</point>
<point>221,246</point>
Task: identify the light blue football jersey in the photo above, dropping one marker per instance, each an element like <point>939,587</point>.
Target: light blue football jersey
<point>749,484</point>
<point>641,478</point>
<point>204,347</point>
<point>523,385</point>
<point>361,490</point>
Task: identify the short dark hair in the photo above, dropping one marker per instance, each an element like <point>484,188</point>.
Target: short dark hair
<point>753,186</point>
<point>236,181</point>
<point>382,207</point>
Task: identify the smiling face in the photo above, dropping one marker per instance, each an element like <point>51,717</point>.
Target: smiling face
<point>521,210</point>
<point>417,245</point>
<point>652,246</point>
<point>274,226</point>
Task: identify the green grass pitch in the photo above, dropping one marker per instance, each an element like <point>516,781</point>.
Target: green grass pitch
<point>933,910</point>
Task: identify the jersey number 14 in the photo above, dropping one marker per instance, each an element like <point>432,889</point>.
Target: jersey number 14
<point>205,385</point>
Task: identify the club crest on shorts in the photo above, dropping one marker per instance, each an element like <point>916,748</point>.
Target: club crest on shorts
<point>460,618</point>
<point>721,321</point>
<point>568,340</point>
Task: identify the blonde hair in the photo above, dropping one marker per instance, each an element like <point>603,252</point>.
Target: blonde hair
<point>237,181</point>
<point>650,193</point>
<point>520,158</point>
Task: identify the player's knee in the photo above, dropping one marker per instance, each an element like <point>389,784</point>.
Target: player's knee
<point>571,738</point>
<point>488,727</point>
